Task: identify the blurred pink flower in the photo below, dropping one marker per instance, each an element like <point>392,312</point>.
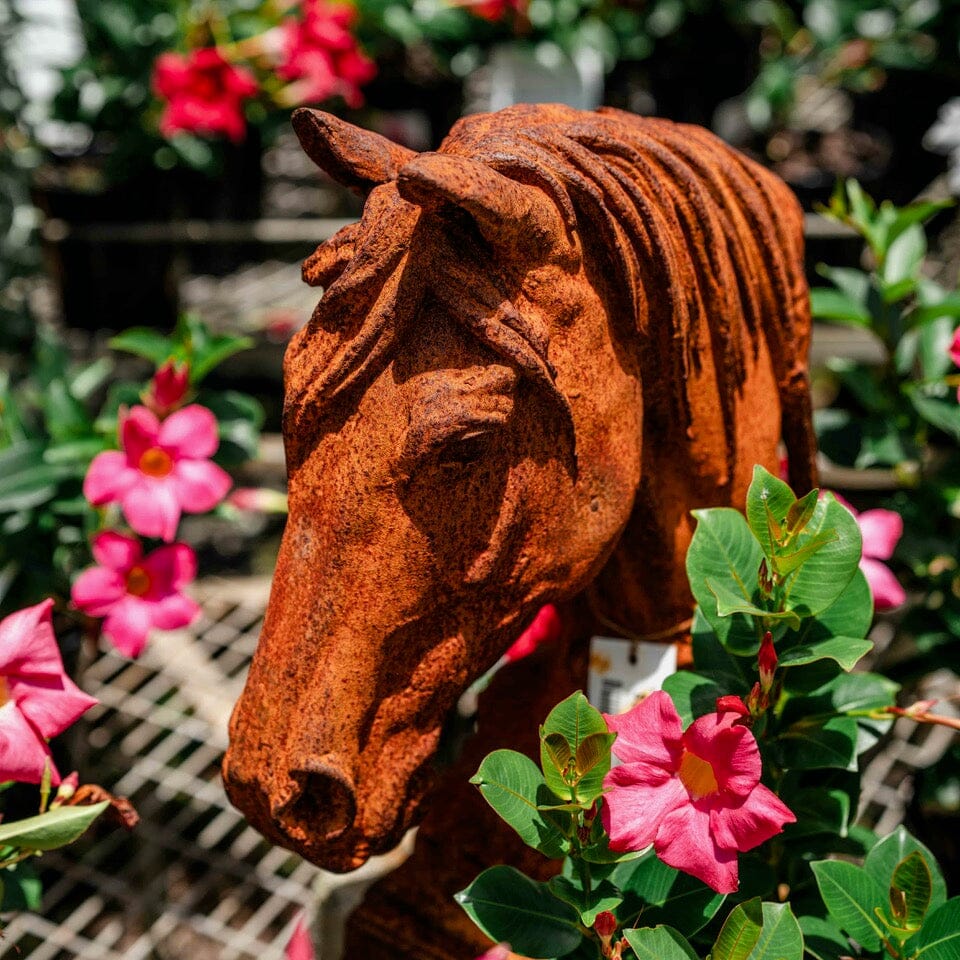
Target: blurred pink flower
<point>258,500</point>
<point>545,627</point>
<point>167,388</point>
<point>954,348</point>
<point>321,56</point>
<point>695,795</point>
<point>300,946</point>
<point>881,530</point>
<point>204,93</point>
<point>499,952</point>
<point>135,593</point>
<point>163,469</point>
<point>37,699</point>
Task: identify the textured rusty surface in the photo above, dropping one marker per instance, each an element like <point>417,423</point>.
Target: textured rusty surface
<point>540,348</point>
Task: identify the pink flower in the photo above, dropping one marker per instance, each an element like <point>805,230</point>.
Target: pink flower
<point>321,55</point>
<point>545,627</point>
<point>258,500</point>
<point>37,699</point>
<point>499,952</point>
<point>695,795</point>
<point>204,93</point>
<point>167,388</point>
<point>162,470</point>
<point>880,530</point>
<point>300,946</point>
<point>136,593</point>
<point>954,348</point>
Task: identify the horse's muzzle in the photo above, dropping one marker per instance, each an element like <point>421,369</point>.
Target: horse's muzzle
<point>322,803</point>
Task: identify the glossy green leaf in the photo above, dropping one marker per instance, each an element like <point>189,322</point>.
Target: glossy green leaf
<point>509,907</point>
<point>910,891</point>
<point>823,939</point>
<point>780,938</point>
<point>882,861</point>
<point>811,746</point>
<point>603,895</point>
<point>852,896</point>
<point>50,830</point>
<point>574,719</point>
<point>844,650</point>
<point>939,938</point>
<point>730,602</point>
<point>511,783</point>
<point>850,692</point>
<point>850,615</point>
<point>144,342</point>
<point>818,810</point>
<point>835,305</point>
<point>943,413</point>
<point>822,579</point>
<point>659,943</point>
<point>724,550</point>
<point>732,674</point>
<point>769,500</point>
<point>740,932</point>
<point>904,256</point>
<point>22,888</point>
<point>214,352</point>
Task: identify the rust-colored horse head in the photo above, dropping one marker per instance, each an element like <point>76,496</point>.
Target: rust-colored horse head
<point>538,350</point>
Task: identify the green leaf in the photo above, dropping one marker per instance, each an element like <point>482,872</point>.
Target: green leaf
<point>214,353</point>
<point>50,830</point>
<point>692,693</point>
<point>602,896</point>
<point>574,719</point>
<point>882,861</point>
<point>854,283</point>
<point>25,479</point>
<point>850,615</point>
<point>934,348</point>
<point>910,891</point>
<point>942,414</point>
<point>507,906</point>
<point>769,500</point>
<point>22,888</point>
<point>144,342</point>
<point>939,938</point>
<point>835,305</point>
<point>724,550</point>
<point>852,896</point>
<point>822,579</point>
<point>740,932</point>
<point>818,811</point>
<point>780,938</point>
<point>845,650</point>
<point>904,256</point>
<point>822,938</point>
<point>659,943</point>
<point>809,746</point>
<point>948,306</point>
<point>728,672</point>
<point>511,783</point>
<point>729,603</point>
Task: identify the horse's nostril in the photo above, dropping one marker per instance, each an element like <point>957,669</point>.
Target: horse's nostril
<point>325,807</point>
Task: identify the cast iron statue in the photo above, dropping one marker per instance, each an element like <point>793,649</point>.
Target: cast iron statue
<point>540,348</point>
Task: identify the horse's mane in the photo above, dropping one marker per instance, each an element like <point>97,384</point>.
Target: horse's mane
<point>678,226</point>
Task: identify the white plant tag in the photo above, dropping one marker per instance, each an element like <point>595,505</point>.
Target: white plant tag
<point>623,671</point>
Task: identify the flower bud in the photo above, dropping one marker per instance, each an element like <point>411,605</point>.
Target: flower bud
<point>605,924</point>
<point>167,388</point>
<point>767,661</point>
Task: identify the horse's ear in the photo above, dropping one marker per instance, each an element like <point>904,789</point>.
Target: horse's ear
<point>504,210</point>
<point>357,158</point>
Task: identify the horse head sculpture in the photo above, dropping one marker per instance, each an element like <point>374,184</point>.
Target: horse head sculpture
<point>537,351</point>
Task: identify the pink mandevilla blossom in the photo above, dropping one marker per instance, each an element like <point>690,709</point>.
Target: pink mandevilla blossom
<point>881,531</point>
<point>167,388</point>
<point>499,952</point>
<point>321,56</point>
<point>545,628</point>
<point>163,469</point>
<point>954,349</point>
<point>136,593</point>
<point>300,946</point>
<point>37,699</point>
<point>204,93</point>
<point>695,795</point>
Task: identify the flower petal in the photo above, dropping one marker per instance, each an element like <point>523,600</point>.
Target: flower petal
<point>886,589</point>
<point>22,751</point>
<point>639,796</point>
<point>200,484</point>
<point>684,841</point>
<point>174,611</point>
<point>51,704</point>
<point>729,748</point>
<point>27,643</point>
<point>108,478</point>
<point>544,628</point>
<point>115,551</point>
<point>171,568</point>
<point>190,433</point>
<point>881,531</point>
<point>152,509</point>
<point>138,433</point>
<point>650,732</point>
<point>127,626</point>
<point>760,816</point>
<point>97,590</point>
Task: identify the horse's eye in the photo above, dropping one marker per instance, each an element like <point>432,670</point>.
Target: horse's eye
<point>463,451</point>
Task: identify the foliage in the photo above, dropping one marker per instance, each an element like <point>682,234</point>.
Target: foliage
<point>785,574</point>
<point>56,419</point>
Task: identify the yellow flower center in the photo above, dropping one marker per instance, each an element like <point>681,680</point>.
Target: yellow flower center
<point>4,692</point>
<point>697,776</point>
<point>138,581</point>
<point>155,462</point>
